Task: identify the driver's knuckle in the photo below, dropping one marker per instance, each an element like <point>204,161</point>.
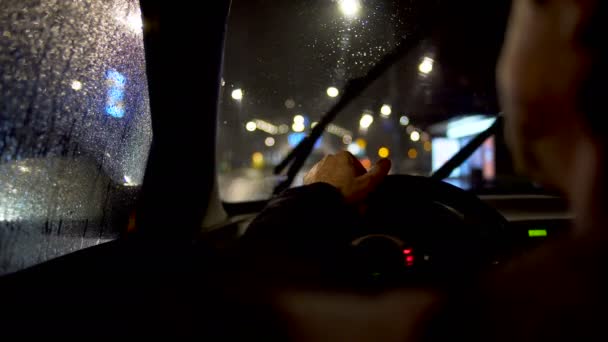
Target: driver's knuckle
<point>344,155</point>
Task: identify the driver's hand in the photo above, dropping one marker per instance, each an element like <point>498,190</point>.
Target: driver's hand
<point>346,173</point>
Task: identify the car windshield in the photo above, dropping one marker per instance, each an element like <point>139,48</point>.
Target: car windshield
<point>286,64</point>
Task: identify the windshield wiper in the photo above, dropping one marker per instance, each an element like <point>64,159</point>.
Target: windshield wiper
<point>353,88</point>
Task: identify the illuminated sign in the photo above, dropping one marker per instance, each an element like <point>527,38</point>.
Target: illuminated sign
<point>115,106</point>
<point>469,126</point>
<point>443,150</point>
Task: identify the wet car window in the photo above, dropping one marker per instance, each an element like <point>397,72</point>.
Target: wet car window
<point>75,127</point>
<point>286,64</point>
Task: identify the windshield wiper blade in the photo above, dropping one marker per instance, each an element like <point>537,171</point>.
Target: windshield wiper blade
<point>467,151</point>
<point>352,90</point>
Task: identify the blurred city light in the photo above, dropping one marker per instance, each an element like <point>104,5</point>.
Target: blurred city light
<point>129,182</point>
<point>134,22</point>
<point>468,126</point>
<point>116,82</point>
<point>337,130</point>
<point>426,66</point>
<point>298,123</point>
<point>367,164</point>
<point>347,139</point>
<point>237,94</point>
<point>428,146</point>
<point>24,169</point>
<point>269,141</point>
<point>251,126</point>
<point>415,136</point>
<point>412,153</point>
<point>131,21</point>
<point>354,149</point>
<point>257,159</point>
<point>283,129</point>
<point>404,120</point>
<point>366,121</point>
<point>312,125</point>
<point>361,143</point>
<point>290,103</point>
<point>443,150</point>
<point>267,127</point>
<point>76,85</point>
<point>294,139</point>
<point>384,152</point>
<point>386,110</point>
<point>298,127</point>
<point>298,119</point>
<point>350,8</point>
<point>333,92</point>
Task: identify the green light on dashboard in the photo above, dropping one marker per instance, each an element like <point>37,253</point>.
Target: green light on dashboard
<point>537,233</point>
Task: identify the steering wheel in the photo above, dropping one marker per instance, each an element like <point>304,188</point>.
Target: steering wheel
<point>427,232</point>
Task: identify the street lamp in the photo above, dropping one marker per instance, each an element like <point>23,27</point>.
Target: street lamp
<point>386,110</point>
<point>298,119</point>
<point>366,121</point>
<point>298,127</point>
<point>76,85</point>
<point>237,94</point>
<point>251,126</point>
<point>333,92</point>
<point>415,136</point>
<point>426,66</point>
<point>350,8</point>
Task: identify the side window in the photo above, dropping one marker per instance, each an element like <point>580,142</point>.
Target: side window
<point>75,127</point>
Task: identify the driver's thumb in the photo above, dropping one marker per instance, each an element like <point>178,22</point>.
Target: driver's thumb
<point>380,170</point>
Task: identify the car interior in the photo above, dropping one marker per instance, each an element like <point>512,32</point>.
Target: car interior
<point>133,162</point>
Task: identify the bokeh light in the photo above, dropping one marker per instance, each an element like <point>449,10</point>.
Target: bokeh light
<point>415,136</point>
<point>384,152</point>
<point>237,94</point>
<point>412,153</point>
<point>333,92</point>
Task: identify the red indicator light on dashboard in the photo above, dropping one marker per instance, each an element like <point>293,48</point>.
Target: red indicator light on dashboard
<point>407,251</point>
<point>409,260</point>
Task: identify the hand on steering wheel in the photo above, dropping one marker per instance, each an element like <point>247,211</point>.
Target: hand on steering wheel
<point>346,173</point>
<point>452,232</point>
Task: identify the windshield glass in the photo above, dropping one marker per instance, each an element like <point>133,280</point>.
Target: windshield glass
<point>286,64</point>
<point>75,126</point>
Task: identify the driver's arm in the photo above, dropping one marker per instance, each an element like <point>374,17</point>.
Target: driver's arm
<point>322,209</point>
